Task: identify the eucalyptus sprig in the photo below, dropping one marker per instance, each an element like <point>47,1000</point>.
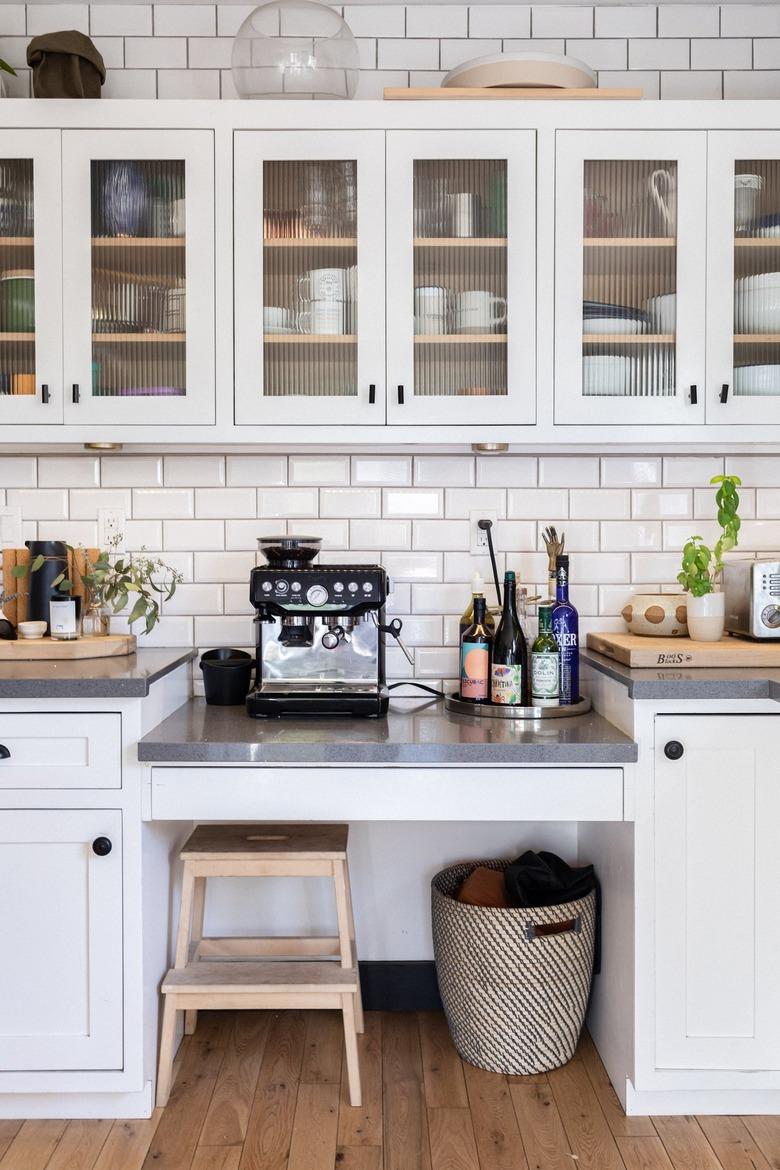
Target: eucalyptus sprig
<point>701,566</point>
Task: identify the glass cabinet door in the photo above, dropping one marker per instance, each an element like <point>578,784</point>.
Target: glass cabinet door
<point>461,277</point>
<point>30,276</point>
<point>743,277</point>
<point>630,277</point>
<point>309,292</point>
<point>139,276</point>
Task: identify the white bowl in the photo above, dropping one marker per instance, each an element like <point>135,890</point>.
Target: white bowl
<point>759,280</point>
<point>612,325</point>
<point>521,70</point>
<point>757,379</point>
<point>757,312</point>
<point>607,375</point>
<point>31,630</point>
<point>662,311</point>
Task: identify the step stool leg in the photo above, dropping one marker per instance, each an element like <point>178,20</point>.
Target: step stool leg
<point>351,1049</point>
<point>167,1037</point>
<point>185,916</point>
<point>196,934</point>
<point>359,1022</point>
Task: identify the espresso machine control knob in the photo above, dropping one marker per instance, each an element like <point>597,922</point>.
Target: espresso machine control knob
<point>317,595</point>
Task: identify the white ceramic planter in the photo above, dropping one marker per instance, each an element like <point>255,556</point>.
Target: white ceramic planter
<point>706,617</point>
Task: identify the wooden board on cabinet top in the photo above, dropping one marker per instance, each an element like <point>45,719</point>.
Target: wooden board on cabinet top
<point>633,650</point>
<point>41,649</point>
<point>465,93</point>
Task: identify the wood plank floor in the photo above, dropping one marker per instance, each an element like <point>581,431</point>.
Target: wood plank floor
<point>267,1091</point>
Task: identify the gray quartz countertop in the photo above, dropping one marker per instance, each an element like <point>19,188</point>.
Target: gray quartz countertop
<point>680,682</point>
<point>417,731</point>
<point>125,677</point>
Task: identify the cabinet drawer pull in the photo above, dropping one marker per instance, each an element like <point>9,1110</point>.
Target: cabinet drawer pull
<point>76,393</point>
<point>5,753</point>
<point>400,395</point>
<point>45,396</point>
<point>102,846</point>
<point>694,395</point>
<point>674,750</point>
<point>724,392</point>
<point>371,394</point>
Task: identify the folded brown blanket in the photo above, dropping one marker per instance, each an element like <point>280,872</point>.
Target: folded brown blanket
<point>484,887</point>
<point>65,64</point>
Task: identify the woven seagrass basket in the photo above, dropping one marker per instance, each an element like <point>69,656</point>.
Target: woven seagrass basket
<point>514,983</point>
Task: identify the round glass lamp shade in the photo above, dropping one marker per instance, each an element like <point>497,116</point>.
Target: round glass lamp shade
<point>295,49</point>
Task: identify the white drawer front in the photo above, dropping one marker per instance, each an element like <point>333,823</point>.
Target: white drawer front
<point>60,749</point>
<point>387,794</point>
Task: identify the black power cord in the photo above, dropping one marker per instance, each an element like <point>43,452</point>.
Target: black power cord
<point>420,686</point>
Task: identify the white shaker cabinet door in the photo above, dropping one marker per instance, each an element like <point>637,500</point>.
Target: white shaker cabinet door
<point>717,895</point>
<point>309,277</point>
<point>630,234</point>
<point>461,277</point>
<point>61,926</point>
<point>138,256</point>
<point>30,277</point>
<point>743,277</point>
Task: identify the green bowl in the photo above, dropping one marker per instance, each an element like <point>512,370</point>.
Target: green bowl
<point>17,302</point>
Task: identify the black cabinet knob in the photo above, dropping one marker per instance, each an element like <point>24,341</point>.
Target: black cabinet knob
<point>371,394</point>
<point>102,846</point>
<point>400,395</point>
<point>694,395</point>
<point>45,396</point>
<point>5,753</point>
<point>76,393</point>
<point>673,750</point>
<point>724,392</point>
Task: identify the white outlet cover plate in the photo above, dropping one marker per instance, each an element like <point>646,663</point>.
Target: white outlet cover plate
<point>111,521</point>
<point>10,526</point>
<point>478,545</point>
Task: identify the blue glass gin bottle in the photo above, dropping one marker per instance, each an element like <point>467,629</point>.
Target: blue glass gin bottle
<point>566,627</point>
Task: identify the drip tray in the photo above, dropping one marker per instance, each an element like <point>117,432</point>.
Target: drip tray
<point>497,711</point>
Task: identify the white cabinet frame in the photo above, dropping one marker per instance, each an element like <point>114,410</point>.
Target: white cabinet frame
<point>252,149</point>
<point>573,149</point>
<point>724,149</point>
<point>196,149</point>
<point>43,147</point>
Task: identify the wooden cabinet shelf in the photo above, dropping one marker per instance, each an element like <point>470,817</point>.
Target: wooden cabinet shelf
<point>757,242</point>
<point>309,339</point>
<point>138,242</point>
<point>460,339</point>
<point>630,242</point>
<point>318,242</point>
<point>460,242</point>
<point>756,338</point>
<point>17,337</point>
<point>17,241</point>
<point>138,338</point>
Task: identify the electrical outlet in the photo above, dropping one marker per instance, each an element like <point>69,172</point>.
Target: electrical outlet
<point>479,537</point>
<point>10,526</point>
<point>111,523</point>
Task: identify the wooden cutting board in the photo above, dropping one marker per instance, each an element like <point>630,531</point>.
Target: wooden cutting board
<point>631,650</point>
<point>40,649</point>
<point>462,93</point>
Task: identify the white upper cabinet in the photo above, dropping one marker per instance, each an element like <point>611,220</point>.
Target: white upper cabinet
<point>630,252</point>
<point>309,277</point>
<point>30,277</point>
<point>461,277</point>
<point>743,277</point>
<point>138,206</point>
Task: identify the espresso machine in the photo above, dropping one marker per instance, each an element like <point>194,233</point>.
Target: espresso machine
<point>320,633</point>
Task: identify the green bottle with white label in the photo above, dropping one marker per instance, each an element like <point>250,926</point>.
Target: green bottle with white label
<point>545,662</point>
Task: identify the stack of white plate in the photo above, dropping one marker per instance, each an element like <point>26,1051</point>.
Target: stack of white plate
<point>757,303</point>
<point>756,380</point>
<point>608,375</point>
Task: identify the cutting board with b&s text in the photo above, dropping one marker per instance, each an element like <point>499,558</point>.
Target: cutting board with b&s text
<point>632,650</point>
<point>49,649</point>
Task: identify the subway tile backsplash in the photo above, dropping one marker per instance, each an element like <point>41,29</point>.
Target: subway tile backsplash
<point>625,518</point>
<point>182,50</point>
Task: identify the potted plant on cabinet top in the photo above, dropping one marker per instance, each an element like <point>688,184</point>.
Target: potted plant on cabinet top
<point>702,566</point>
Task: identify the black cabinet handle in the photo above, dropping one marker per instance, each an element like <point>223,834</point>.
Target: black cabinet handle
<point>5,753</point>
<point>102,846</point>
<point>673,750</point>
<point>724,392</point>
<point>400,395</point>
<point>76,392</point>
<point>45,396</point>
<point>694,395</point>
<point>371,394</point>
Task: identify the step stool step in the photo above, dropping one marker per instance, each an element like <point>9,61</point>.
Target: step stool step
<point>237,842</point>
<point>200,978</point>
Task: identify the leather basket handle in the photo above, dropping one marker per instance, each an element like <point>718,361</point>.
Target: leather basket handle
<point>545,929</point>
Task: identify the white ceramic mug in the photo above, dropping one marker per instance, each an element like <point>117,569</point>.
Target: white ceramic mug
<point>322,317</point>
<point>431,306</point>
<point>275,317</point>
<point>478,311</point>
<point>323,284</point>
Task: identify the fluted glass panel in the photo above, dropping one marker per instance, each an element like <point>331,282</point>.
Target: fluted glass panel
<point>459,300</point>
<point>310,279</point>
<point>17,278</point>
<point>756,278</point>
<point>629,311</point>
<point>138,278</point>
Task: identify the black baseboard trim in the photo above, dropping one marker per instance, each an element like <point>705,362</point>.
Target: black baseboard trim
<point>390,986</point>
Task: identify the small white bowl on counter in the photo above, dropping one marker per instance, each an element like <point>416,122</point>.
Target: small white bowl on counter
<point>31,630</point>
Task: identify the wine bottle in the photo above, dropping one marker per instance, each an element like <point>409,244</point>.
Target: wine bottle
<point>509,672</point>
<point>545,662</point>
<point>475,647</point>
<point>467,619</point>
<point>566,625</point>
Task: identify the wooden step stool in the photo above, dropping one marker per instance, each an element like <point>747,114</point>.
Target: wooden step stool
<point>213,973</point>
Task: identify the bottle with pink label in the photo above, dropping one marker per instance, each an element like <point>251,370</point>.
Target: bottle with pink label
<point>475,650</point>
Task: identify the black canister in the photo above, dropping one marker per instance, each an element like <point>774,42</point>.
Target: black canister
<point>227,676</point>
<point>39,583</point>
